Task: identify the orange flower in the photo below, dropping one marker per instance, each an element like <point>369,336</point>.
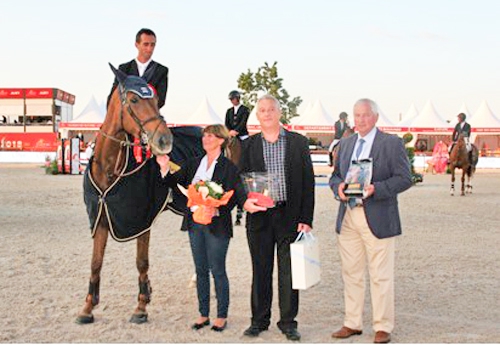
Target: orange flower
<point>200,199</point>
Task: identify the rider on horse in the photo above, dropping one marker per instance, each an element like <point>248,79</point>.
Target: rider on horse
<point>464,129</point>
<point>236,124</point>
<point>340,126</point>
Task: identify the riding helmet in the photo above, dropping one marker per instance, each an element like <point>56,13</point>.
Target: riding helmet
<point>234,94</point>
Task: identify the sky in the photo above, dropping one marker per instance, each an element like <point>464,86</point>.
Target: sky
<point>396,52</point>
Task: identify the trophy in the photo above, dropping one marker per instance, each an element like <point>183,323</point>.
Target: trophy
<point>358,176</point>
<point>258,186</point>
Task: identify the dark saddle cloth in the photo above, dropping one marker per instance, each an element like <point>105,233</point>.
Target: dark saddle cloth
<point>132,203</point>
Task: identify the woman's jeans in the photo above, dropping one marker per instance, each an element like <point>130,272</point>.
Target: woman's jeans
<point>209,254</point>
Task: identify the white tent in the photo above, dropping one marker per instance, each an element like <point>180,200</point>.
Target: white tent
<point>252,118</point>
<point>429,119</point>
<point>204,115</point>
<point>302,114</point>
<point>316,116</point>
<point>484,118</point>
<point>410,115</point>
<point>90,119</point>
<point>92,113</point>
<point>383,120</point>
<point>466,111</point>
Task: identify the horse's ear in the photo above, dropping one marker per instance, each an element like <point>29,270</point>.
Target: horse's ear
<point>121,76</point>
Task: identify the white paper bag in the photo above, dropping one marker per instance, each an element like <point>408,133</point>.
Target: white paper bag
<point>306,267</point>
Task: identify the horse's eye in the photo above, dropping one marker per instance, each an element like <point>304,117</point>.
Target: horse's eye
<point>134,100</point>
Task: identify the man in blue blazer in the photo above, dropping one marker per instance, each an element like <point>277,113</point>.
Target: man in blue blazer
<point>367,227</point>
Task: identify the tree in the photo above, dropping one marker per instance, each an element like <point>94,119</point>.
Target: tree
<point>266,80</point>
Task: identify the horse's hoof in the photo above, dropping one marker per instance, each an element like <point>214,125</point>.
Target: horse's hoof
<point>139,318</point>
<point>84,319</point>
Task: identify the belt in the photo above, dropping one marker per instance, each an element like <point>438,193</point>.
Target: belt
<point>280,204</point>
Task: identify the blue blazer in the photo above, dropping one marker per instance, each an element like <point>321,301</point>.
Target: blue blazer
<point>391,175</point>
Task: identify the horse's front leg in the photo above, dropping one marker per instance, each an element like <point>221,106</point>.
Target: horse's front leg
<point>92,299</point>
<point>462,192</point>
<point>452,189</point>
<point>469,183</point>
<point>140,314</point>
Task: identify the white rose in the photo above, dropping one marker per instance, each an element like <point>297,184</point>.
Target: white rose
<point>216,187</point>
<point>203,190</point>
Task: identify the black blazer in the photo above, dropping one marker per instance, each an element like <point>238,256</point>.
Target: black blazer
<point>339,132</point>
<point>299,175</point>
<point>225,174</point>
<point>458,130</point>
<point>238,123</point>
<point>159,79</point>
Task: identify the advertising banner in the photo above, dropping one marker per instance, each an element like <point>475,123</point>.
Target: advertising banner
<point>39,142</point>
<point>75,156</point>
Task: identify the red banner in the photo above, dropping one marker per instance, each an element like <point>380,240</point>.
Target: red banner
<point>11,93</point>
<point>73,125</point>
<point>40,142</point>
<point>39,93</point>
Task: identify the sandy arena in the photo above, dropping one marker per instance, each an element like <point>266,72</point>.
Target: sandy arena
<point>447,270</point>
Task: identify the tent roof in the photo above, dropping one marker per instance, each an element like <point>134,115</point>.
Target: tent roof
<point>383,120</point>
<point>90,114</point>
<point>429,118</point>
<point>316,116</point>
<point>465,110</point>
<point>409,116</point>
<point>484,118</point>
<point>203,115</point>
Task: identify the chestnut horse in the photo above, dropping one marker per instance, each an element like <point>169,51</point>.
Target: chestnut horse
<point>133,110</point>
<point>460,158</point>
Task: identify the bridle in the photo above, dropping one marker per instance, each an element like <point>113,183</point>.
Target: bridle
<point>126,107</point>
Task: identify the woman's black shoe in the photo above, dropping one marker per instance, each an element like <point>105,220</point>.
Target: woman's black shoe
<point>197,326</point>
<point>219,329</point>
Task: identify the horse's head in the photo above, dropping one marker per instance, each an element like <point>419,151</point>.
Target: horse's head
<point>139,114</point>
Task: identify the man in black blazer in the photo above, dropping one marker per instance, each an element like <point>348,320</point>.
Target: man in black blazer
<point>237,117</point>
<point>286,156</point>
<point>143,65</point>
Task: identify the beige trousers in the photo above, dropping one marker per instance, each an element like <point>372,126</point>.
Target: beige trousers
<point>359,247</point>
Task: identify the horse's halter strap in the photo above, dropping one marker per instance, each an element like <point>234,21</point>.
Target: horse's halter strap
<point>138,86</point>
<point>143,90</point>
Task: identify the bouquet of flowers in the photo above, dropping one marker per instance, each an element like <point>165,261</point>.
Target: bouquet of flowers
<point>205,194</point>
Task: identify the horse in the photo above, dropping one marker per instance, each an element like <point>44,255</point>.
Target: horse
<point>332,154</point>
<point>460,158</point>
<point>133,110</point>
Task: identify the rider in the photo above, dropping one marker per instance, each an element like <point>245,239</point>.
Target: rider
<point>237,117</point>
<point>340,126</point>
<point>463,128</point>
<point>236,123</point>
<point>145,42</point>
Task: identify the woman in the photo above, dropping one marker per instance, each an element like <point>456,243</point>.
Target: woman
<point>209,243</point>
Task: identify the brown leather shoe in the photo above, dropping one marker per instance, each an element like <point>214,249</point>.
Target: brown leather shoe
<point>346,332</point>
<point>382,337</point>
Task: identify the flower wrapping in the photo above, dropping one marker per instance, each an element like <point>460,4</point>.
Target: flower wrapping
<point>205,194</point>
